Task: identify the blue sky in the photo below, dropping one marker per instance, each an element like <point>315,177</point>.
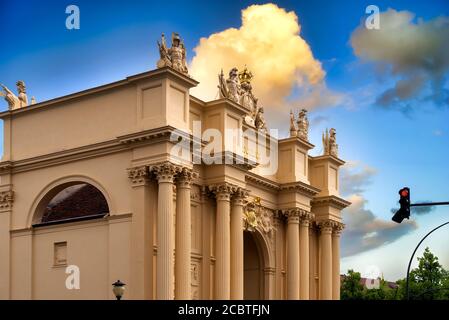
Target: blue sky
<point>388,146</point>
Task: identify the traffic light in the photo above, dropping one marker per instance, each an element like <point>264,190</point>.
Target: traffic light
<point>404,201</point>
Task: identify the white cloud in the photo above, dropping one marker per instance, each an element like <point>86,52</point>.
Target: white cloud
<point>412,53</point>
<point>269,43</point>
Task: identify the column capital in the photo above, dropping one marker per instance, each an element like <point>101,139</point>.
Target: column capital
<point>165,172</point>
<point>223,191</point>
<point>6,200</point>
<point>297,215</point>
<point>306,218</point>
<point>292,215</point>
<point>185,177</point>
<point>239,196</point>
<point>338,228</point>
<point>138,175</point>
<point>326,226</point>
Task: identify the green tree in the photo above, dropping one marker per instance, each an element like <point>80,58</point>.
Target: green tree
<point>427,281</point>
<point>351,288</point>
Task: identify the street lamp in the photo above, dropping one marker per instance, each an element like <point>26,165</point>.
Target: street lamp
<point>118,288</point>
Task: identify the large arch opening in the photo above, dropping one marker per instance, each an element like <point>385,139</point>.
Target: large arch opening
<point>253,268</point>
<point>71,201</point>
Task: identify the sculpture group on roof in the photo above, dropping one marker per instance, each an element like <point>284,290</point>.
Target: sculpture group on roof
<point>175,56</point>
<point>19,101</point>
<point>330,145</point>
<point>238,89</point>
<point>299,128</point>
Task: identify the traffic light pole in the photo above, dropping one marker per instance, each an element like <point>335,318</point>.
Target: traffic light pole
<point>429,204</point>
<point>411,258</point>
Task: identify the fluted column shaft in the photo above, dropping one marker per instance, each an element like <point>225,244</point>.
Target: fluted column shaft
<point>237,270</point>
<point>336,262</point>
<point>293,255</point>
<point>183,236</point>
<point>165,265</point>
<point>223,244</point>
<point>141,266</point>
<point>326,261</point>
<point>304,257</point>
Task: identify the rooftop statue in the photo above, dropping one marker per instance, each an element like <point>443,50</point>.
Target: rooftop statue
<point>330,145</point>
<point>15,102</point>
<point>238,89</point>
<point>230,88</point>
<point>293,131</point>
<point>303,125</point>
<point>174,57</point>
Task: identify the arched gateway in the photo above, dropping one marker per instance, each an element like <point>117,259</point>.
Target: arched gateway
<point>120,181</point>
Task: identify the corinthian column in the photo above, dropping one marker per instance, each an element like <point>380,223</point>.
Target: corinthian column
<point>222,250</point>
<point>237,245</point>
<point>165,267</point>
<point>304,255</point>
<point>326,260</point>
<point>293,254</point>
<point>183,235</point>
<point>336,260</point>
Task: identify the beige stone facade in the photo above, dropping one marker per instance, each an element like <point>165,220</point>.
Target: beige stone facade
<point>175,228</point>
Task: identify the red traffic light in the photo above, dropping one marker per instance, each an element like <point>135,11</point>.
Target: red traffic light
<point>404,192</point>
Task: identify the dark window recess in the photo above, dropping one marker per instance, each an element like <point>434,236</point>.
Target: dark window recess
<point>77,201</point>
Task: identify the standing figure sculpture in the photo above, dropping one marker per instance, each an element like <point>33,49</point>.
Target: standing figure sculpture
<point>330,142</point>
<point>303,125</point>
<point>230,88</point>
<point>248,101</point>
<point>15,102</point>
<point>238,89</point>
<point>260,120</point>
<point>293,132</point>
<point>175,56</point>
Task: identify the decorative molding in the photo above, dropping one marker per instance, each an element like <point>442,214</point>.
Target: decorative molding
<point>165,172</point>
<point>300,187</point>
<point>185,177</point>
<point>138,175</point>
<point>261,181</point>
<point>6,200</point>
<point>239,196</point>
<point>332,201</point>
<point>329,226</point>
<point>223,191</point>
<point>338,228</point>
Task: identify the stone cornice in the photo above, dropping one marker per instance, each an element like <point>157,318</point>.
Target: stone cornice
<point>300,187</point>
<point>122,143</point>
<point>330,158</point>
<point>306,144</point>
<point>61,157</point>
<point>233,159</point>
<point>259,180</point>
<point>332,201</point>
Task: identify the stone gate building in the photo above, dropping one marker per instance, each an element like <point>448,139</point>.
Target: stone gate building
<point>95,181</point>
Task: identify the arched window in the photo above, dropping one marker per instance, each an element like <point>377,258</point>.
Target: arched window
<point>77,201</point>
